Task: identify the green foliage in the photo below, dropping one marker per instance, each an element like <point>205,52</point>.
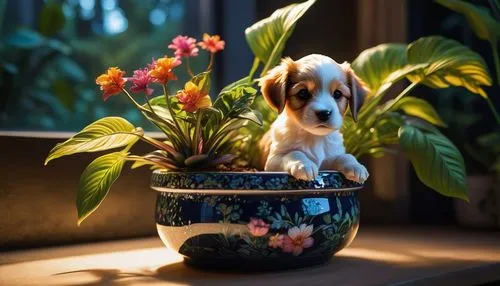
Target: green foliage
<point>450,64</point>
<point>96,181</point>
<point>267,38</point>
<point>196,138</point>
<point>419,108</point>
<point>433,61</point>
<point>482,22</point>
<point>437,162</point>
<point>375,65</point>
<point>104,134</point>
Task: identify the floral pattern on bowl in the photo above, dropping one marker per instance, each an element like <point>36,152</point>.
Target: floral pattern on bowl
<point>279,230</point>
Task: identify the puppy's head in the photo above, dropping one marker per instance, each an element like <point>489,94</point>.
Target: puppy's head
<point>314,91</point>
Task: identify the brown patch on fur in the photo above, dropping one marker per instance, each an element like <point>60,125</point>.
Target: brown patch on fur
<point>274,84</point>
<point>358,90</point>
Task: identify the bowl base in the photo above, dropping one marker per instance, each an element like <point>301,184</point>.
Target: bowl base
<point>255,265</point>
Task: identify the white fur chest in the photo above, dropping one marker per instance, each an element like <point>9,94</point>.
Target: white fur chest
<point>287,137</point>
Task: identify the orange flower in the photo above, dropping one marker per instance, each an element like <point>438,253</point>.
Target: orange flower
<point>161,69</point>
<point>193,98</point>
<point>212,44</point>
<point>111,82</point>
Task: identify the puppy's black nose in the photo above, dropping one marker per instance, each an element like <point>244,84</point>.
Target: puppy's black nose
<point>323,115</point>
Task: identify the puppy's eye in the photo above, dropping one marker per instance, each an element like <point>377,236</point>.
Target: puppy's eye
<point>303,94</point>
<point>337,94</point>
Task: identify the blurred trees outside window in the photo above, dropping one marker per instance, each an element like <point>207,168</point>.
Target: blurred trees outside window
<point>52,50</point>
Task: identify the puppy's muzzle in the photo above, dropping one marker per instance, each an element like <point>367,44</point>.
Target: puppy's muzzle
<point>323,115</point>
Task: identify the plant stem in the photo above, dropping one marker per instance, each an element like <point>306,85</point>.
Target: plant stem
<point>188,68</point>
<point>196,132</point>
<point>496,56</point>
<point>211,62</point>
<point>493,110</point>
<point>140,107</point>
<point>405,92</point>
<point>254,68</point>
<point>174,119</point>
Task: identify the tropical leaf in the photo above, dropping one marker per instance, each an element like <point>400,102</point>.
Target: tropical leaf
<point>374,65</point>
<point>96,181</point>
<point>267,38</point>
<point>450,64</point>
<point>241,81</point>
<point>202,80</point>
<point>419,108</point>
<point>104,134</point>
<point>232,103</point>
<point>479,18</point>
<point>437,162</point>
<point>380,68</point>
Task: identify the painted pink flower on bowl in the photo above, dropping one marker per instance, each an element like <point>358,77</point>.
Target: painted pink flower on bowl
<point>276,241</point>
<point>184,46</point>
<point>258,227</point>
<point>140,81</point>
<point>297,239</point>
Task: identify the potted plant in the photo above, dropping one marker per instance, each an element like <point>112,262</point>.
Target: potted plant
<point>483,210</point>
<point>217,215</point>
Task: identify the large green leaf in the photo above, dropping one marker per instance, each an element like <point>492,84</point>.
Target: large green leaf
<point>96,181</point>
<point>437,162</point>
<point>419,108</point>
<point>374,65</point>
<point>480,18</point>
<point>104,134</point>
<point>450,64</point>
<point>380,68</point>
<point>267,38</point>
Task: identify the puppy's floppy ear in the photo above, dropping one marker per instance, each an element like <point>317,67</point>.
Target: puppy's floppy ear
<point>358,90</point>
<point>273,84</point>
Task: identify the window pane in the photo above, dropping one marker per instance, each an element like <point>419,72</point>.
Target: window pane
<point>50,65</point>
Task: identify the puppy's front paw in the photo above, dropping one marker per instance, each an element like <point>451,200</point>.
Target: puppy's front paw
<point>303,171</point>
<point>356,172</point>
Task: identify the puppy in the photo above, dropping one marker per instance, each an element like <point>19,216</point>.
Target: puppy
<point>311,96</point>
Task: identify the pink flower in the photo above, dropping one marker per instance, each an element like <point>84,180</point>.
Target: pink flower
<point>258,227</point>
<point>298,238</point>
<point>140,81</point>
<point>184,46</point>
<point>276,241</point>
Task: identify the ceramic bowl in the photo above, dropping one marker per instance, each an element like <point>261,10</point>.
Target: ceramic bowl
<point>255,220</point>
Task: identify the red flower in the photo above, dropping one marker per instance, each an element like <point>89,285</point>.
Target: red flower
<point>111,82</point>
<point>161,70</point>
<point>140,81</point>
<point>212,44</point>
<point>184,46</point>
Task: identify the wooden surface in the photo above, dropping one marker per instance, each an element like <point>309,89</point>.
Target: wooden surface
<point>430,256</point>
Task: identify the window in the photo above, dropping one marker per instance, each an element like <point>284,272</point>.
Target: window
<point>49,65</point>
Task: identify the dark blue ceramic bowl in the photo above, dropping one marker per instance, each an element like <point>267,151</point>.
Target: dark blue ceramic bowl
<point>260,220</point>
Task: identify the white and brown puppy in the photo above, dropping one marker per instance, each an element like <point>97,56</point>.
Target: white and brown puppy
<point>311,96</point>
